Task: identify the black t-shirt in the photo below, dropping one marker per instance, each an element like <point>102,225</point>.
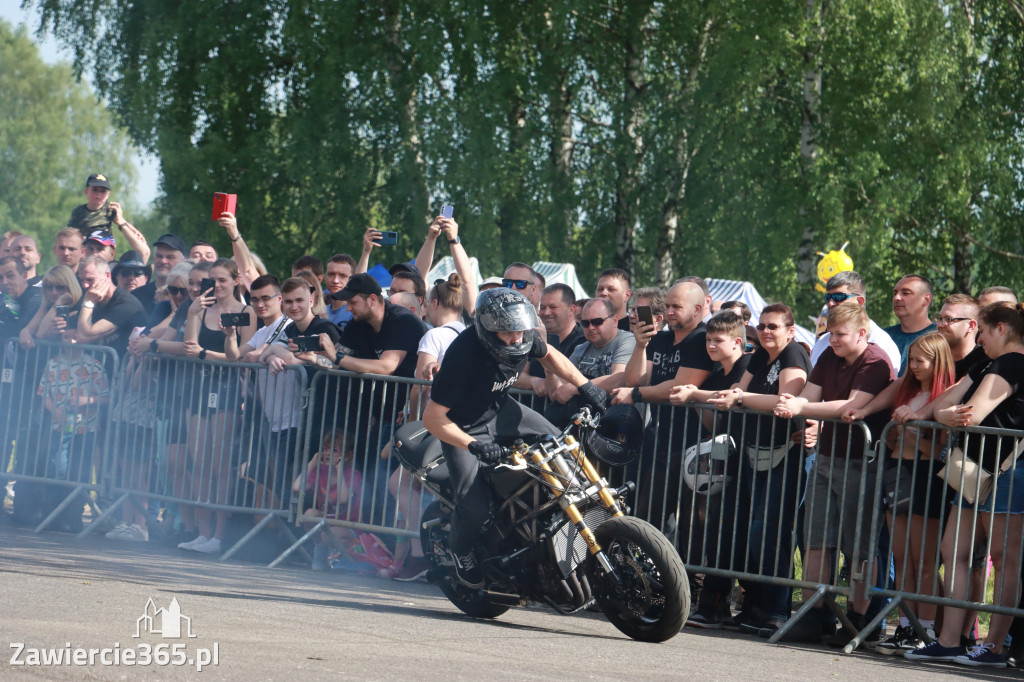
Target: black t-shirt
<point>125,312</point>
<point>623,324</point>
<point>764,379</point>
<point>16,313</point>
<point>399,330</point>
<point>1009,414</point>
<point>472,384</point>
<point>566,347</point>
<point>718,380</point>
<point>668,356</point>
<point>971,364</point>
<point>147,297</point>
<point>317,326</point>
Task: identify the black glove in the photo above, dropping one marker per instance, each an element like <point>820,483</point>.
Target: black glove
<point>594,396</point>
<point>487,453</point>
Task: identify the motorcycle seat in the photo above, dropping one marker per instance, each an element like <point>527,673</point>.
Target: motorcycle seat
<point>421,452</point>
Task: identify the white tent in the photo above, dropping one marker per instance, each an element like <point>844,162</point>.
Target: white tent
<point>561,273</point>
<point>731,290</point>
<point>446,266</point>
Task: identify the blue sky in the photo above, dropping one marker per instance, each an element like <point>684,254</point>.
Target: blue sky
<point>149,171</point>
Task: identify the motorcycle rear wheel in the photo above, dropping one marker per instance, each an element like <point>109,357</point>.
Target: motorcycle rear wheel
<point>651,598</point>
<point>435,549</point>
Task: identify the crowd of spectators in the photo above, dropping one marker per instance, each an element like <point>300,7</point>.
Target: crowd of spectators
<point>774,463</point>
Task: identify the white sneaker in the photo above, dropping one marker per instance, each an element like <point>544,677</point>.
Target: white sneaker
<point>139,534</point>
<point>119,532</point>
<point>201,540</point>
<point>211,546</point>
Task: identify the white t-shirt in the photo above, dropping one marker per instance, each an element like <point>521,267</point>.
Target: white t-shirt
<point>436,341</point>
<point>876,335</point>
<point>280,395</point>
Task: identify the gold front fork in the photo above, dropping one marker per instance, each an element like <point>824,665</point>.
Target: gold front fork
<point>594,477</point>
<point>570,509</point>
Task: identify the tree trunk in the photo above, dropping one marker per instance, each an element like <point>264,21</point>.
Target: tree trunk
<point>814,12</point>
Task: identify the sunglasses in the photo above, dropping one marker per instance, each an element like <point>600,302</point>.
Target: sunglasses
<point>597,322</point>
<point>517,283</point>
<point>131,273</point>
<point>55,287</point>
<point>177,291</point>
<point>837,298</point>
<point>770,327</point>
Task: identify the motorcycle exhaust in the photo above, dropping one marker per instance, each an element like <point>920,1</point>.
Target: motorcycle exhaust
<point>504,598</point>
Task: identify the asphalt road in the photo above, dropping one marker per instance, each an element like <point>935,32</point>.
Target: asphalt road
<point>293,624</point>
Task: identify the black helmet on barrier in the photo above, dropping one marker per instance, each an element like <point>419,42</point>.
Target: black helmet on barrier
<point>505,310</point>
<point>619,437</point>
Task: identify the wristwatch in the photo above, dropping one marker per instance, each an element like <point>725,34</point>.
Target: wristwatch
<point>202,354</point>
<point>88,304</point>
<point>154,346</point>
<point>457,240</point>
<point>636,395</point>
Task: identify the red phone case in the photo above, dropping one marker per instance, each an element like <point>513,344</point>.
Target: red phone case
<point>223,203</point>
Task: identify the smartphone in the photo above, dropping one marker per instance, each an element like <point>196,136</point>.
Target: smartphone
<point>307,343</point>
<point>644,314</point>
<point>446,211</point>
<point>234,319</point>
<point>388,238</point>
<point>223,203</point>
<point>63,311</point>
<point>205,284</point>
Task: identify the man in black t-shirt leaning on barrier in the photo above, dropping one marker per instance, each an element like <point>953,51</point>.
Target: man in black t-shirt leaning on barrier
<point>470,409</point>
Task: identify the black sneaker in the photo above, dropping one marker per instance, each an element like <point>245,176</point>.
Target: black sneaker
<point>842,637</point>
<point>705,619</point>
<point>468,571</point>
<point>815,627</point>
<point>770,627</point>
<point>903,640</point>
<point>935,653</point>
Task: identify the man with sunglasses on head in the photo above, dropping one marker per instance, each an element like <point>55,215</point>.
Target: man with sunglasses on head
<point>850,285</point>
<point>601,358</point>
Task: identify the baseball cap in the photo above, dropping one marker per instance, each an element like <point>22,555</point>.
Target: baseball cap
<point>405,267</point>
<point>491,283</point>
<point>361,283</point>
<point>103,237</point>
<point>97,180</point>
<point>172,241</point>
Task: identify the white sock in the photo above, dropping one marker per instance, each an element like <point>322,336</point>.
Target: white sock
<point>905,622</point>
<point>928,624</point>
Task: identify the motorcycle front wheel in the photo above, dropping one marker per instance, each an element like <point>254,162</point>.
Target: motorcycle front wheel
<point>649,597</point>
<point>434,537</point>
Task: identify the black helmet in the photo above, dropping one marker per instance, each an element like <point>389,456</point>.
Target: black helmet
<point>617,440</point>
<point>505,310</point>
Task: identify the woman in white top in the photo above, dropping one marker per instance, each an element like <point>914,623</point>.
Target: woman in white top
<point>444,309</point>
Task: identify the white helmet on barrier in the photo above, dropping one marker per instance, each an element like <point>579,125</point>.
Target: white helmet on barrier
<point>704,465</point>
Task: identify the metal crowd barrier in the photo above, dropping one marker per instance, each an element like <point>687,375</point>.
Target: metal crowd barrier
<point>225,437</point>
<point>208,437</point>
<point>54,406</point>
<point>923,514</point>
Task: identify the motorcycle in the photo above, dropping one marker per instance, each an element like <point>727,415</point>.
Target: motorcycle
<point>557,534</point>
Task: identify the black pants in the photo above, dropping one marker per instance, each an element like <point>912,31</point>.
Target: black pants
<point>472,495</point>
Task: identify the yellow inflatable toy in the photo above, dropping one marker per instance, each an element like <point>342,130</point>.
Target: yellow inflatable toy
<point>831,263</point>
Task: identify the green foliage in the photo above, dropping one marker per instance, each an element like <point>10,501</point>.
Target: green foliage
<point>602,133</point>
<point>54,135</point>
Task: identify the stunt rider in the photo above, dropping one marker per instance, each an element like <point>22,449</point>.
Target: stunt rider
<point>469,407</point>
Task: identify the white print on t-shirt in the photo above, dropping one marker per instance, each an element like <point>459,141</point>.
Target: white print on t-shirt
<point>501,386</point>
<point>773,373</point>
<point>669,360</point>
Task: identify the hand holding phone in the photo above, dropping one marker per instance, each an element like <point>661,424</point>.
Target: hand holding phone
<point>63,311</point>
<point>388,238</point>
<point>446,211</point>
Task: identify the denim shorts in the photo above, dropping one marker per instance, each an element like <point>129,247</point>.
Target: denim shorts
<point>1008,497</point>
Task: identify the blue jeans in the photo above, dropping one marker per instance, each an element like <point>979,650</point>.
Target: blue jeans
<point>774,495</point>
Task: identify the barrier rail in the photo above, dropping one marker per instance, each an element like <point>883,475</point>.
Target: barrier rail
<point>737,491</point>
<point>54,403</point>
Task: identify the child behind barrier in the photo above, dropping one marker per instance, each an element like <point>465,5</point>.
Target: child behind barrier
<point>916,525</point>
<point>334,487</point>
<point>74,389</point>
